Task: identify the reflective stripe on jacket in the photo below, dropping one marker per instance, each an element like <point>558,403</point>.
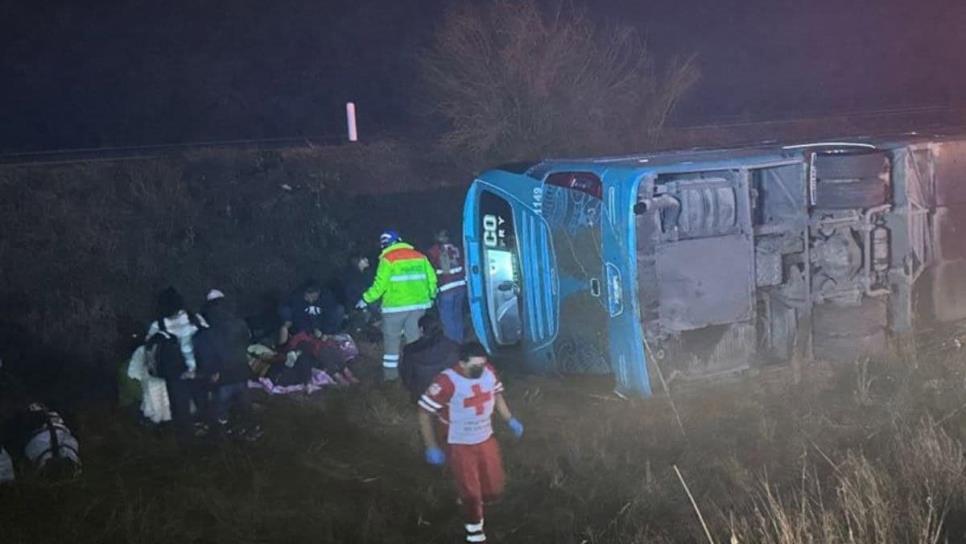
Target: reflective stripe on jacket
<point>405,280</point>
<point>452,276</point>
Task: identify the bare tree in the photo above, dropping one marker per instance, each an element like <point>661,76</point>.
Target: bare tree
<point>516,81</point>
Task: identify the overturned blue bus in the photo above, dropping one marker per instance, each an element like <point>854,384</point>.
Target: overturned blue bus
<point>714,261</point>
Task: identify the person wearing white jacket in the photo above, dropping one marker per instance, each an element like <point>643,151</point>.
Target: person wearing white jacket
<point>155,406</point>
<point>183,389</point>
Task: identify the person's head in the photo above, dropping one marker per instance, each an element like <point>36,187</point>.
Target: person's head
<point>170,302</point>
<point>216,305</point>
<point>429,325</point>
<point>312,291</point>
<point>388,238</point>
<point>442,236</point>
<point>214,295</point>
<point>359,262</point>
<point>472,359</point>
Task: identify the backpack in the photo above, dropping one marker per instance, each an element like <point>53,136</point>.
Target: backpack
<point>51,445</point>
<point>164,358</point>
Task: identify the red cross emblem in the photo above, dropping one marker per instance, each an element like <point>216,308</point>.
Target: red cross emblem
<point>478,400</point>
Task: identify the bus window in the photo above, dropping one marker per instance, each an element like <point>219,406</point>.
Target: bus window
<point>583,182</point>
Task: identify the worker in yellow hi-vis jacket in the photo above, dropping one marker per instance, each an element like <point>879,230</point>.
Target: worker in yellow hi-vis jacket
<point>406,284</point>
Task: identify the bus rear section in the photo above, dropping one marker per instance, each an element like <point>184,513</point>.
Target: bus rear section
<point>833,252</point>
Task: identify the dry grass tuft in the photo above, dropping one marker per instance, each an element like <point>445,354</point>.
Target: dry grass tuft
<point>763,465</point>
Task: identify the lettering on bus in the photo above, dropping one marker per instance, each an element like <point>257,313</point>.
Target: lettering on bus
<point>494,233</point>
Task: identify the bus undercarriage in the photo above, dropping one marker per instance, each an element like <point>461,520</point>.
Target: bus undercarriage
<point>835,258</point>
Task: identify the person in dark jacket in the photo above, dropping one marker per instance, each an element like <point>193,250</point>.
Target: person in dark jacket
<point>357,277</point>
<point>310,313</point>
<point>425,358</point>
<point>225,355</point>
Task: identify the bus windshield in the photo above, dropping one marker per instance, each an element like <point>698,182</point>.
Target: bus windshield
<point>501,261</point>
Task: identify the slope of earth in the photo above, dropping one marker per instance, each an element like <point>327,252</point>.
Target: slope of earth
<point>872,450</point>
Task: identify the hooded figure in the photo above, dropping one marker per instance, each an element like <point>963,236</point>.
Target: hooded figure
<point>225,352</point>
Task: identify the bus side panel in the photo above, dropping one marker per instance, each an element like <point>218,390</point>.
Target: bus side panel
<point>946,277</point>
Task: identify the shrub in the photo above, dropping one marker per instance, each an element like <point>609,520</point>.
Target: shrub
<point>516,82</point>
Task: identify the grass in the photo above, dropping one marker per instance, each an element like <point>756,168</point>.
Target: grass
<point>851,454</point>
<point>95,242</point>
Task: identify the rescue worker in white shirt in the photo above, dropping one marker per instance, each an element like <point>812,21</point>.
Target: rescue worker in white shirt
<point>463,398</point>
<point>447,259</point>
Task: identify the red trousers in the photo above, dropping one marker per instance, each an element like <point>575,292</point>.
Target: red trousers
<point>478,471</point>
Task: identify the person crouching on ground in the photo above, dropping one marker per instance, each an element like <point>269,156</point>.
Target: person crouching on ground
<point>463,399</point>
<point>308,315</point>
<point>406,284</point>
<point>226,352</point>
<point>356,278</point>
<point>425,358</point>
<point>312,323</point>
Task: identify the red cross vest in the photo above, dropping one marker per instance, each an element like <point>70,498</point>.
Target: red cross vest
<point>448,261</point>
<point>471,407</point>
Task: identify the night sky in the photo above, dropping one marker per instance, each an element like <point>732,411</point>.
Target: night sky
<point>144,72</point>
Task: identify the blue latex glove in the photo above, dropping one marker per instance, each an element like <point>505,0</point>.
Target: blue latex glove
<point>515,427</point>
<point>361,305</point>
<point>435,456</point>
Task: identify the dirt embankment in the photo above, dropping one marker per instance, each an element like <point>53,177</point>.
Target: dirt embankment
<point>858,454</point>
<point>87,245</point>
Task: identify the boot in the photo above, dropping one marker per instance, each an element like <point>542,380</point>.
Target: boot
<point>474,532</point>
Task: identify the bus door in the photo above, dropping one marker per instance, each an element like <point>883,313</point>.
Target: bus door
<point>572,208</point>
<point>626,336</point>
